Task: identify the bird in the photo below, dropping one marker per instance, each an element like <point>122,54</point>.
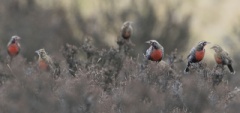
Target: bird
<point>196,54</point>
<point>155,52</point>
<point>126,30</point>
<point>222,58</point>
<point>46,63</point>
<point>13,47</point>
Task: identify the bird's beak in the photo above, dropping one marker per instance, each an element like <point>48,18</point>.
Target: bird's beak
<point>148,42</point>
<point>18,38</point>
<point>208,43</point>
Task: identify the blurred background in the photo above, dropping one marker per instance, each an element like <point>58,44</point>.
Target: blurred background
<point>177,24</point>
<point>180,24</point>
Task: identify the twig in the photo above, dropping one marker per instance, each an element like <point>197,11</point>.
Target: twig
<point>11,70</point>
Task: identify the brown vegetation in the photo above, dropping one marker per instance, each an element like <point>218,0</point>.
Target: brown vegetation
<point>109,81</point>
<point>96,78</point>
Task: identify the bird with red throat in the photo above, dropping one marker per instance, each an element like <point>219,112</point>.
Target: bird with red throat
<point>196,54</point>
<point>222,58</point>
<point>155,52</point>
<point>126,30</point>
<point>13,47</point>
<point>46,63</point>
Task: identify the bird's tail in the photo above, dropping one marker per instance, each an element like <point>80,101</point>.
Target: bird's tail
<point>231,69</point>
<point>187,68</point>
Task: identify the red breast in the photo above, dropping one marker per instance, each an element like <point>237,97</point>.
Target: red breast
<point>218,59</point>
<point>199,55</point>
<point>156,55</point>
<point>43,65</point>
<point>126,35</point>
<point>13,49</point>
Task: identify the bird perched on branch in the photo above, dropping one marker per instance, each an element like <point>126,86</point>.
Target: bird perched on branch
<point>13,47</point>
<point>222,58</point>
<point>126,30</point>
<point>155,52</point>
<point>124,42</point>
<point>196,54</point>
<point>46,63</point>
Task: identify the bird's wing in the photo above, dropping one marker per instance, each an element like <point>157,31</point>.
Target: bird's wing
<point>148,52</point>
<point>162,52</point>
<point>8,43</point>
<point>130,28</point>
<point>191,54</point>
<point>227,59</point>
<point>19,46</point>
<point>123,30</point>
<point>50,62</point>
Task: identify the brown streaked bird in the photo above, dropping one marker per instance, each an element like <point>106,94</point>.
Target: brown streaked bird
<point>155,52</point>
<point>126,30</point>
<point>46,63</point>
<point>196,54</point>
<point>13,47</point>
<point>222,58</point>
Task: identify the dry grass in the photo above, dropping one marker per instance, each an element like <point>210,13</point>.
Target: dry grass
<point>110,81</point>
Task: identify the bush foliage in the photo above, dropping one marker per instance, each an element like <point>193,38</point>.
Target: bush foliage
<point>111,81</point>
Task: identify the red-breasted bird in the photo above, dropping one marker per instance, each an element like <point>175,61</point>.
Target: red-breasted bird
<point>126,30</point>
<point>13,47</point>
<point>222,58</point>
<point>196,54</point>
<point>46,63</point>
<point>155,52</point>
